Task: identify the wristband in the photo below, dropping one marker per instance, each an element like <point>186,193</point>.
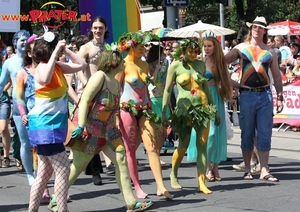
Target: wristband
<point>82,127</point>
<point>279,98</point>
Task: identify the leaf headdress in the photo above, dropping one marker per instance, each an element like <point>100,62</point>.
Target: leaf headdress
<point>192,42</point>
<point>130,39</point>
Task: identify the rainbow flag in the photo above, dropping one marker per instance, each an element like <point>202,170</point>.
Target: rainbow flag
<point>121,16</point>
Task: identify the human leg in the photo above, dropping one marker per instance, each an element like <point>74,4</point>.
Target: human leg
<point>201,139</point>
<point>153,148</point>
<point>128,126</point>
<point>80,161</point>
<point>115,151</point>
<point>248,117</point>
<point>5,142</point>
<point>93,168</point>
<point>110,168</point>
<point>61,167</point>
<point>264,134</point>
<point>177,157</point>
<point>26,154</point>
<point>40,183</point>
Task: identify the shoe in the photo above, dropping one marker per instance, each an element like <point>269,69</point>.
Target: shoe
<point>256,169</point>
<point>97,180</point>
<point>5,162</point>
<point>241,166</point>
<point>139,206</point>
<point>110,170</point>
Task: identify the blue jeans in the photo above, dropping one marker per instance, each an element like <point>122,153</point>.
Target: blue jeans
<point>256,112</point>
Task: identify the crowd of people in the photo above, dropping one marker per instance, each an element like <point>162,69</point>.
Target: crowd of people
<point>116,103</point>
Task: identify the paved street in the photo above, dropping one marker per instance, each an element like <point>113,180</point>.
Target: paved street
<point>230,195</point>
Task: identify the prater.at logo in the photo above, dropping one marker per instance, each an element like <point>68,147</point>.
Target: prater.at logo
<point>60,15</point>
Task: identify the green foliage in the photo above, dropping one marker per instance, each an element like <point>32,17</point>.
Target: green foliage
<point>134,109</point>
<point>187,115</point>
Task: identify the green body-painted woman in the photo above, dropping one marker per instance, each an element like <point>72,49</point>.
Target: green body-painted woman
<point>193,109</point>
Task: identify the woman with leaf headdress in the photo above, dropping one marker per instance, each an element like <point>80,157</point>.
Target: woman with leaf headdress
<point>138,122</point>
<point>194,108</point>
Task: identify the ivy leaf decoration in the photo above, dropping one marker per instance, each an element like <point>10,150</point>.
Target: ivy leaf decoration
<point>153,117</point>
<point>132,107</point>
<point>187,115</point>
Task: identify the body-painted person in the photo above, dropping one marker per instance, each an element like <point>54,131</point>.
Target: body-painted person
<point>9,70</point>
<point>193,108</point>
<point>256,100</point>
<point>51,109</point>
<point>97,127</point>
<point>135,103</point>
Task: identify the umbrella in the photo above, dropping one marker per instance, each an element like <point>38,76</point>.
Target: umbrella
<point>196,30</point>
<point>161,32</point>
<point>278,30</point>
<point>293,26</point>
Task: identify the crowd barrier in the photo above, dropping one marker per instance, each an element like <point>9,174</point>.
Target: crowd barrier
<point>290,115</point>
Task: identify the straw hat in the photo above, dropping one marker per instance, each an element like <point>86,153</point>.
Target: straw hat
<point>259,21</point>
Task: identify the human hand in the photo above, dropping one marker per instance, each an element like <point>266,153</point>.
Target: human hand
<point>60,47</point>
<point>24,119</point>
<point>217,119</point>
<point>279,106</point>
<point>77,132</point>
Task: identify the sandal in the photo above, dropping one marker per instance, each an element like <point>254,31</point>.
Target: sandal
<point>139,206</point>
<point>210,178</point>
<point>248,176</point>
<point>45,199</point>
<point>270,178</point>
<point>19,164</point>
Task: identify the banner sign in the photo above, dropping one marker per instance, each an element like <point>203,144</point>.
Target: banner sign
<point>291,111</point>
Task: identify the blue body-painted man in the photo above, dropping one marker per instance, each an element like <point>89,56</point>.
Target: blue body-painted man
<point>9,70</point>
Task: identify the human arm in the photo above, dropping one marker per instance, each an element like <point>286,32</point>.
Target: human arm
<point>8,85</point>
<point>232,56</point>
<point>93,86</point>
<point>208,93</point>
<point>4,77</point>
<point>44,71</point>
<point>77,64</point>
<point>153,73</point>
<point>171,75</point>
<point>71,92</point>
<point>20,95</point>
<point>277,81</point>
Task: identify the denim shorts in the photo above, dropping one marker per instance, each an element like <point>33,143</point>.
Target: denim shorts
<point>256,113</point>
<point>5,108</point>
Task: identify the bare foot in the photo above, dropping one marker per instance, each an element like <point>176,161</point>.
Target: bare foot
<point>202,187</point>
<point>162,163</point>
<point>174,182</point>
<point>141,194</point>
<point>166,194</point>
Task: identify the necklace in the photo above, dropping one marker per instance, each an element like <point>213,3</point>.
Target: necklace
<point>99,45</point>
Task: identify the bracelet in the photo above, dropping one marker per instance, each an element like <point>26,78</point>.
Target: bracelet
<point>82,127</point>
<point>279,98</point>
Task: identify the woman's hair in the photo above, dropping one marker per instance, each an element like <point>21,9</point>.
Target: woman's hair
<point>81,40</point>
<point>249,36</point>
<point>109,60</point>
<point>103,21</point>
<point>26,59</point>
<point>154,53</point>
<point>220,70</point>
<point>42,49</point>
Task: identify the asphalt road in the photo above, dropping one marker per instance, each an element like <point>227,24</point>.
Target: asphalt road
<point>232,194</point>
